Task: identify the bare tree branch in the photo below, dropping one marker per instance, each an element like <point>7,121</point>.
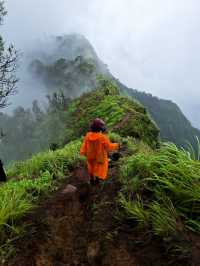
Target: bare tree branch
<point>8,65</point>
<point>2,11</point>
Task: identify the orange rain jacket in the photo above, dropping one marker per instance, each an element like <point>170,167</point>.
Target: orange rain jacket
<point>96,147</point>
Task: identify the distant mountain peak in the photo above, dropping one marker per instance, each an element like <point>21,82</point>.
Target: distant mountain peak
<point>70,63</point>
<point>70,46</point>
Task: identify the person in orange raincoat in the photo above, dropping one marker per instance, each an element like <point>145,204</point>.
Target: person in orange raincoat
<point>95,147</point>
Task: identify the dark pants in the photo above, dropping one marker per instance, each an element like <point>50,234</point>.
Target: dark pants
<point>94,180</point>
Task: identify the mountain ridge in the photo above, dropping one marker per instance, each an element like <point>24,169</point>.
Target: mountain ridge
<point>52,215</point>
<point>166,114</point>
<point>35,127</point>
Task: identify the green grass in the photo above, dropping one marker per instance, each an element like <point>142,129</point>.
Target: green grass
<point>17,198</point>
<point>164,217</point>
<point>193,151</point>
<point>57,162</point>
<point>134,210</point>
<point>168,184</point>
<point>30,181</point>
<point>122,115</point>
<point>160,188</point>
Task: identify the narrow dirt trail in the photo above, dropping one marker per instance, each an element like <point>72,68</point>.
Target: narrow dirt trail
<point>72,228</point>
<point>76,227</point>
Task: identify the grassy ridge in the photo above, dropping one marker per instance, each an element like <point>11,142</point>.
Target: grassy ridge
<point>122,115</point>
<point>160,188</point>
<point>35,178</point>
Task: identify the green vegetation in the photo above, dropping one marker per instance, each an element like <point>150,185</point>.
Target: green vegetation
<point>73,76</point>
<point>160,191</point>
<point>8,61</point>
<point>121,114</point>
<point>160,183</point>
<point>31,181</point>
<point>55,162</point>
<point>33,130</point>
<point>18,198</point>
<point>75,68</point>
<point>174,126</point>
<point>64,120</point>
<point>134,210</point>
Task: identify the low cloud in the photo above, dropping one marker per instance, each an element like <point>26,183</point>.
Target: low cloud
<point>151,46</point>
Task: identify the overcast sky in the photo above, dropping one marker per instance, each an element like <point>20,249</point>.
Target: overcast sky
<point>150,45</point>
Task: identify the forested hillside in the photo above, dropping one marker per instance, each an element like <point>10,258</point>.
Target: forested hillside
<point>71,65</point>
<point>79,75</point>
<point>145,213</point>
<point>69,68</point>
<point>80,191</point>
<point>174,126</point>
<point>37,129</point>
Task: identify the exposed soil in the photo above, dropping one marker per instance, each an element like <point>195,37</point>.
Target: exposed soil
<point>76,227</point>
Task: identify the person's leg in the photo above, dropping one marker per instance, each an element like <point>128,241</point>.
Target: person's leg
<point>97,181</point>
<point>90,166</point>
<point>92,180</point>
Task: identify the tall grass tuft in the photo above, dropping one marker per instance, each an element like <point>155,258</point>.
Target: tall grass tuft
<point>17,198</point>
<point>164,217</point>
<point>134,210</point>
<point>193,152</point>
<point>168,180</point>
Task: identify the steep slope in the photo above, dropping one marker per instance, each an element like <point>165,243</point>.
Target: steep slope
<point>35,130</point>
<point>71,65</point>
<point>66,46</point>
<point>42,235</point>
<point>146,213</point>
<point>121,114</point>
<point>74,67</point>
<point>174,126</point>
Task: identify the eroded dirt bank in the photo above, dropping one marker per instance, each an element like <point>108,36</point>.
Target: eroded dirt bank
<point>77,228</point>
<point>54,237</point>
<point>72,228</point>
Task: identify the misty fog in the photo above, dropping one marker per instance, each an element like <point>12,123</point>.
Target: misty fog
<point>151,46</point>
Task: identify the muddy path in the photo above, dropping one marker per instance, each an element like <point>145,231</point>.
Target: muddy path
<point>76,227</point>
<point>71,227</point>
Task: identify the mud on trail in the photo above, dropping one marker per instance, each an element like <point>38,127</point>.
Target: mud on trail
<point>76,227</point>
<point>71,228</point>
